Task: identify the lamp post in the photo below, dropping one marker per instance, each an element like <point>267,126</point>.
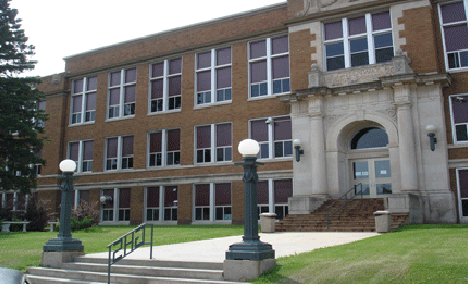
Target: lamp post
<point>64,242</point>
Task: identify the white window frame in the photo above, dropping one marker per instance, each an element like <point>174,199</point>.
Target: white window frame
<point>213,146</point>
<point>115,209</point>
<point>79,163</point>
<point>212,205</point>
<point>346,39</point>
<point>119,153</point>
<point>122,86</point>
<point>166,76</point>
<point>212,68</point>
<point>452,119</point>
<point>442,25</point>
<point>164,152</point>
<point>84,99</point>
<point>271,140</point>
<point>269,58</point>
<point>161,207</point>
<point>271,198</point>
<point>463,219</point>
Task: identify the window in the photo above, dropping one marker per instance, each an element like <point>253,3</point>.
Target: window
<point>82,153</point>
<point>269,66</point>
<point>41,106</point>
<point>274,136</point>
<point>164,147</point>
<point>122,89</point>
<point>357,41</point>
<point>454,28</point>
<point>38,167</point>
<point>213,202</point>
<point>119,203</point>
<point>459,111</point>
<point>119,155</point>
<point>124,204</point>
<point>107,209</point>
<point>462,182</point>
<point>369,137</point>
<point>164,197</point>
<point>213,76</point>
<point>273,196</point>
<point>166,85</point>
<point>83,102</point>
<point>213,143</point>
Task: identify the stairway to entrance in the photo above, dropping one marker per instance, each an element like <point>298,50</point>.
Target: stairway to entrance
<point>85,270</point>
<point>360,218</point>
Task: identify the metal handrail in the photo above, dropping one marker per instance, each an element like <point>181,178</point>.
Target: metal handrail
<point>345,196</point>
<point>134,242</point>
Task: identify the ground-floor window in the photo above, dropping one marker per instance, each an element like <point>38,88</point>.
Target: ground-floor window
<point>117,207</point>
<point>213,202</point>
<point>462,182</point>
<point>272,196</point>
<point>161,203</point>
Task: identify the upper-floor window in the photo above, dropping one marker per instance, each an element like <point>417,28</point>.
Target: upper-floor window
<point>122,89</point>
<point>269,66</point>
<point>83,103</point>
<point>82,153</point>
<point>357,41</point>
<point>213,143</point>
<point>166,85</point>
<point>454,27</point>
<point>164,147</point>
<point>459,115</point>
<point>119,154</point>
<point>274,134</point>
<point>41,106</point>
<point>213,76</point>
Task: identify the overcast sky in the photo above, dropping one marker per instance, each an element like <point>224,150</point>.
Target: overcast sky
<point>60,28</point>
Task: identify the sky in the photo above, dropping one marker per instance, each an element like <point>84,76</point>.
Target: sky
<point>60,28</point>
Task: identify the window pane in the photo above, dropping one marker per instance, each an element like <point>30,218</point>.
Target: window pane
<point>460,109</point>
<point>88,150</point>
<point>385,188</point>
<point>157,89</point>
<point>222,194</point>
<point>257,49</point>
<point>462,134</point>
<point>170,196</point>
<point>114,97</point>
<point>334,49</point>
<point>91,101</point>
<point>155,142</point>
<point>282,129</point>
<point>383,40</point>
<point>223,56</point>
<point>203,137</point>
<point>335,63</point>
<point>173,140</point>
<point>279,45</point>
<point>92,84</point>
<point>175,66</point>
<point>259,130</point>
<point>202,195</point>
<point>157,70</point>
<point>175,86</point>
<point>464,59</point>
<point>203,81</point>
<point>112,147</point>
<point>359,59</point>
<point>333,30</point>
<point>463,183</point>
<point>381,21</point>
<point>129,94</point>
<point>223,77</point>
<point>74,150</point>
<point>127,147</point>
<point>465,207</point>
<point>382,169</point>
<point>223,132</point>
<point>279,150</point>
<point>115,79</point>
<point>358,45</point>
<point>203,60</point>
<point>357,26</point>
<point>78,86</point>
<point>283,189</point>
<point>130,75</point>
<point>77,101</point>
<point>124,198</point>
<point>383,55</point>
<point>371,137</point>
<point>152,197</point>
<point>454,12</point>
<point>258,71</point>
<point>262,192</point>
<point>280,67</point>
<point>456,37</point>
<point>41,105</point>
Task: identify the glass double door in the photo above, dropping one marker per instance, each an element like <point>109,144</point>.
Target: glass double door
<point>372,177</point>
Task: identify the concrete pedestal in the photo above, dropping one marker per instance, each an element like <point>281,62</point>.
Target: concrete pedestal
<point>383,221</point>
<point>239,270</point>
<point>56,259</point>
<point>267,222</point>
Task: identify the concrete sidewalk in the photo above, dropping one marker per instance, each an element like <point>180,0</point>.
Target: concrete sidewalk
<point>213,250</point>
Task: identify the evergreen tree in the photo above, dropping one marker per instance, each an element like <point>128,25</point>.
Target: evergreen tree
<point>21,121</point>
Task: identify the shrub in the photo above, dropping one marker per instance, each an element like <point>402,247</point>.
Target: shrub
<point>84,216</point>
<point>37,216</point>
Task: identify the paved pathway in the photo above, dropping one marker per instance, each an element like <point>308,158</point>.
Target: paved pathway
<point>213,250</point>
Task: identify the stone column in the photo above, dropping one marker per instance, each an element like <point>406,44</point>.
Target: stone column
<point>317,145</point>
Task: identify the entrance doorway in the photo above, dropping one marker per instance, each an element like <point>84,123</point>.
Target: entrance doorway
<point>375,176</point>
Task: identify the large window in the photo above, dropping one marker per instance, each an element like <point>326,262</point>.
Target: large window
<point>118,207</point>
<point>454,27</point>
<point>82,153</point>
<point>83,102</point>
<point>161,203</point>
<point>164,147</point>
<point>269,66</point>
<point>273,196</point>
<point>213,143</point>
<point>119,154</point>
<point>459,115</point>
<point>213,76</point>
<point>166,85</point>
<point>357,41</point>
<point>122,89</point>
<point>274,134</point>
<point>213,202</point>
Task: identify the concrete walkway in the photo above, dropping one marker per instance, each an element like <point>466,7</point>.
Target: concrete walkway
<point>213,250</point>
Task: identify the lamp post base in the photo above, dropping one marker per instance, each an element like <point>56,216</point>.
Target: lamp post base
<point>63,244</point>
<point>250,250</point>
<point>240,270</point>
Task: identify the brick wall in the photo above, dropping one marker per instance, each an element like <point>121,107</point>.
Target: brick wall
<point>300,58</point>
<point>184,204</point>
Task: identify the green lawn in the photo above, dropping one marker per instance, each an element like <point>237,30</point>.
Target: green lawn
<point>413,254</point>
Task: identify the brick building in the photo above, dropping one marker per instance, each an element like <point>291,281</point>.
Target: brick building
<point>155,122</point>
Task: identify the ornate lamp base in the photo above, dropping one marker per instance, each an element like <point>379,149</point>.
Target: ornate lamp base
<point>253,250</point>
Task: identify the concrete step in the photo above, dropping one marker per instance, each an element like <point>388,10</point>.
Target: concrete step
<point>155,263</point>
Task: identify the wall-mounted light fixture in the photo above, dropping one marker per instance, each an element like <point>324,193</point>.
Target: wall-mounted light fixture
<point>297,146</point>
<point>431,131</point>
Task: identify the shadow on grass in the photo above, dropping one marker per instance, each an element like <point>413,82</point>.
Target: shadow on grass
<point>415,227</point>
<point>273,276</point>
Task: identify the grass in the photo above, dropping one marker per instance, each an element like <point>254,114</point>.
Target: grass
<point>21,250</point>
<point>412,254</point>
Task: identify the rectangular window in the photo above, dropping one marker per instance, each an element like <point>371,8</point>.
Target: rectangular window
<point>119,154</point>
<point>274,135</point>
<point>462,182</point>
<point>124,204</point>
<point>213,76</point>
<point>166,85</point>
<point>82,153</point>
<point>122,90</point>
<point>269,67</point>
<point>164,197</point>
<point>202,202</point>
<point>38,167</point>
<point>454,29</point>
<point>273,196</point>
<point>213,202</point>
<point>222,196</point>
<point>107,208</point>
<point>152,204</point>
<point>83,101</point>
<point>41,106</point>
<point>357,41</point>
<point>213,143</point>
<point>164,147</point>
<point>459,115</point>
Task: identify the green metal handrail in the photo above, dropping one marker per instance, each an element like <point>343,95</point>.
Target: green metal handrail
<point>345,196</point>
